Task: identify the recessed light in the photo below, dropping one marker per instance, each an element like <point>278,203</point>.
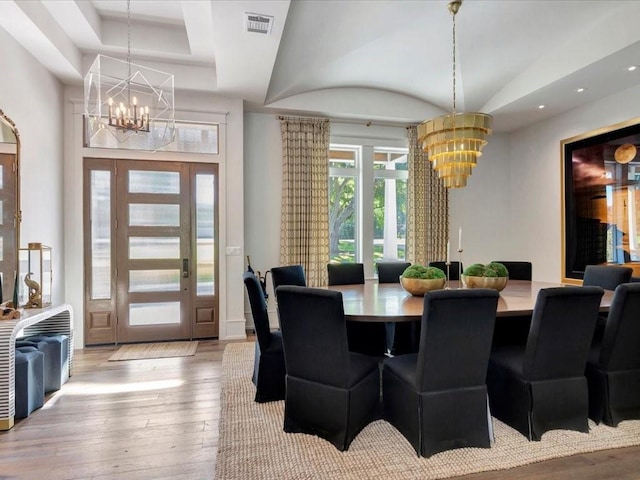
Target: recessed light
<point>540,107</point>
<point>632,68</point>
<point>580,90</point>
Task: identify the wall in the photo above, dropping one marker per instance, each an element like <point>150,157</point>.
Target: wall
<point>536,190</point>
<point>262,187</point>
<point>516,188</point>
<point>482,208</point>
<point>189,107</point>
<point>33,99</point>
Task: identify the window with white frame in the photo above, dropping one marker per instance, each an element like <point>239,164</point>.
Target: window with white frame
<point>190,137</point>
<point>367,204</point>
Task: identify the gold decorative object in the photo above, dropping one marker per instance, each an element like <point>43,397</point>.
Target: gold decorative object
<point>495,283</point>
<point>36,276</point>
<point>454,141</point>
<point>419,286</point>
<point>35,292</point>
<point>625,153</point>
<point>12,216</point>
<point>7,312</point>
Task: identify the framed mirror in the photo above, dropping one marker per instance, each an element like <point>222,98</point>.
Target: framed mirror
<point>10,215</point>
<point>601,192</point>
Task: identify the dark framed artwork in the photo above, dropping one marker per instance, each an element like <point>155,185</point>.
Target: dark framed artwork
<point>601,194</point>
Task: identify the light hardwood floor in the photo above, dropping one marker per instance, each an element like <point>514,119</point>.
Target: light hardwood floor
<point>158,419</point>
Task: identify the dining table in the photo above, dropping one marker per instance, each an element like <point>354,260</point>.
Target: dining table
<point>371,307</point>
<point>389,302</point>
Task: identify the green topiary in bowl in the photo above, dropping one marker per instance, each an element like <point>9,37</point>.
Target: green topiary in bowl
<point>420,271</point>
<point>492,275</point>
<point>418,279</point>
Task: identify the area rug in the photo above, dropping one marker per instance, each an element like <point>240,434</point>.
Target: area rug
<point>139,351</point>
<point>253,445</point>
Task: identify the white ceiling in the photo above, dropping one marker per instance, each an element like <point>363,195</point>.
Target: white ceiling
<point>387,61</point>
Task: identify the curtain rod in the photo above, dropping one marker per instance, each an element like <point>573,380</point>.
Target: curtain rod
<point>367,123</point>
<point>283,117</point>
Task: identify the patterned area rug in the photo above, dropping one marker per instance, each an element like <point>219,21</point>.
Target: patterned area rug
<point>139,351</point>
<point>253,445</point>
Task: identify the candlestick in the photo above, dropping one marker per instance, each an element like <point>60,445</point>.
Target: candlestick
<point>448,251</point>
<point>448,265</point>
<point>460,239</point>
<point>15,290</point>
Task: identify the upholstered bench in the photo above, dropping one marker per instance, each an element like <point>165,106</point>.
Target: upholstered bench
<point>56,360</point>
<point>29,380</point>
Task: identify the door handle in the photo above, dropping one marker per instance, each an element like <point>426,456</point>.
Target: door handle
<point>185,268</point>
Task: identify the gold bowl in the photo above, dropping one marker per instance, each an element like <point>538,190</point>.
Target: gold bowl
<point>496,283</point>
<point>420,286</point>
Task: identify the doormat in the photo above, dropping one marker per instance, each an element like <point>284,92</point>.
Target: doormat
<point>139,351</point>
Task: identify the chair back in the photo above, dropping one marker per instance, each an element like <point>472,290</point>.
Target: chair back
<point>620,348</point>
<point>314,334</point>
<point>606,276</point>
<point>389,272</point>
<point>289,275</point>
<point>454,268</point>
<point>258,309</point>
<point>562,327</point>
<point>345,273</point>
<point>455,338</point>
<point>518,270</point>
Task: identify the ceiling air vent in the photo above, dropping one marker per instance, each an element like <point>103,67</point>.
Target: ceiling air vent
<point>258,23</point>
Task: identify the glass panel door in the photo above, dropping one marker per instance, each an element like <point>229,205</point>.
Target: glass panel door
<point>162,237</point>
<point>205,250</point>
<point>152,251</point>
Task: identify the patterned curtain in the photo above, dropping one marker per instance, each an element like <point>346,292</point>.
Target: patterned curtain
<point>427,209</point>
<point>304,224</point>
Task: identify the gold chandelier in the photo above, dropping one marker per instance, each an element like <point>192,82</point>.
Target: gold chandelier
<point>454,141</point>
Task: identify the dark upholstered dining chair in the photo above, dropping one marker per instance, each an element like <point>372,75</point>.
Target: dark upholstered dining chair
<point>390,272</point>
<point>518,270</point>
<point>437,398</point>
<point>541,386</point>
<point>269,366</point>
<point>454,269</point>
<point>288,275</point>
<point>606,276</point>
<point>345,273</point>
<point>368,338</point>
<point>613,366</point>
<point>331,392</point>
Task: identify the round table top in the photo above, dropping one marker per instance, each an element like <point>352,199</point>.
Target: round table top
<point>389,302</point>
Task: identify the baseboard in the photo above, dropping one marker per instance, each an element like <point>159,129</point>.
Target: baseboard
<point>235,330</point>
